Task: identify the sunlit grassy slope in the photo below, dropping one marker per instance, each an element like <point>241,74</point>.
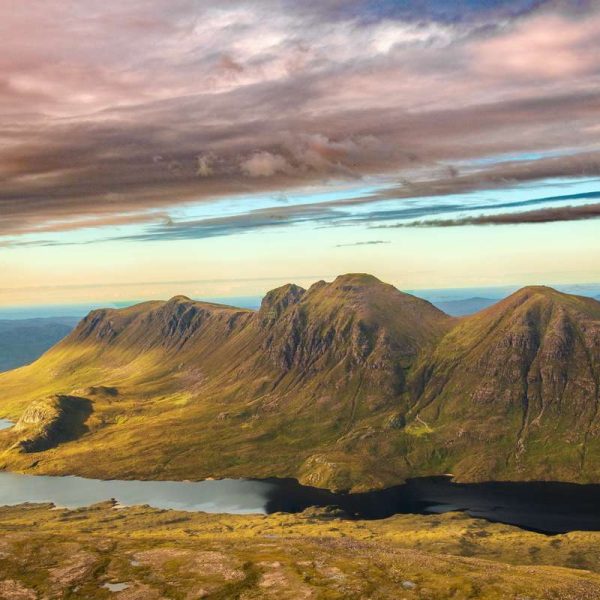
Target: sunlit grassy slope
<point>56,553</point>
<point>350,384</point>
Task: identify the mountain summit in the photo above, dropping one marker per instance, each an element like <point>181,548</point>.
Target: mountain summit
<point>348,384</point>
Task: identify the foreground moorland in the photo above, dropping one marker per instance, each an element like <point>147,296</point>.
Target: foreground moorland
<point>50,553</point>
<point>350,384</point>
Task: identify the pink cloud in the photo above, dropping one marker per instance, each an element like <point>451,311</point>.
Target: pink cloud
<point>548,46</point>
<point>265,164</point>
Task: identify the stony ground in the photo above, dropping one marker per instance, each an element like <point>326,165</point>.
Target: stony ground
<point>146,554</point>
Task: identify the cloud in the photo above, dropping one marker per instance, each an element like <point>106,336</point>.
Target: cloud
<point>369,243</point>
<point>534,42</point>
<point>544,215</point>
<point>229,64</point>
<point>112,109</point>
<point>204,166</point>
<point>265,164</point>
<point>342,213</point>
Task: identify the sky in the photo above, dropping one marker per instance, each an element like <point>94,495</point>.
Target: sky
<point>155,147</point>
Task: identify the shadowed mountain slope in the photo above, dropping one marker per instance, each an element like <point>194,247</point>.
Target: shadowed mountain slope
<point>349,384</point>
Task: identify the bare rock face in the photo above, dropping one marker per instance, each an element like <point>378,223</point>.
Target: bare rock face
<point>48,422</point>
<point>177,325</point>
<point>277,301</point>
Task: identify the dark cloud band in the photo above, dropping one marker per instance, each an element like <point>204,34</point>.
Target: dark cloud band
<point>546,215</point>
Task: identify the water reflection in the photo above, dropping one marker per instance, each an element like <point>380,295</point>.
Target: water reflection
<point>225,496</point>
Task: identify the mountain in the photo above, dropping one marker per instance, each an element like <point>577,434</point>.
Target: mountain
<point>24,340</point>
<point>513,391</point>
<point>349,384</point>
<point>199,389</point>
<point>465,306</point>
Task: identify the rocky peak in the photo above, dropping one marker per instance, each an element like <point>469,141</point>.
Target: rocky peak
<point>529,294</point>
<point>96,325</point>
<point>278,300</point>
<point>355,323</point>
<point>179,299</point>
<point>529,355</point>
<point>351,281</point>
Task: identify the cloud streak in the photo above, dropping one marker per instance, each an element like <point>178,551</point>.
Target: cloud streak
<point>369,243</point>
<point>416,211</point>
<point>544,215</point>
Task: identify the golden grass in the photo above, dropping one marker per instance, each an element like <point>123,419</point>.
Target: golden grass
<point>58,553</point>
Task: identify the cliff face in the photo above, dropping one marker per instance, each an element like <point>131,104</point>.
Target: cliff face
<point>350,383</point>
<point>355,326</point>
<point>170,326</point>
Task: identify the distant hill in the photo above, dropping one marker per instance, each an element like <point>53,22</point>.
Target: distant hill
<point>24,340</point>
<point>349,384</point>
<point>463,307</point>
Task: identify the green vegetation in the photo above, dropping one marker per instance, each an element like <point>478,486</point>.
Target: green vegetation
<point>348,385</point>
<point>71,554</point>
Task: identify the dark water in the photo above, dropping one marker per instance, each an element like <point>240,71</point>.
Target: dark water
<point>544,507</point>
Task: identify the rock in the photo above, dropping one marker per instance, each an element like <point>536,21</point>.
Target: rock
<point>325,513</point>
<point>277,301</point>
<point>397,422</point>
<point>9,588</point>
<point>48,422</point>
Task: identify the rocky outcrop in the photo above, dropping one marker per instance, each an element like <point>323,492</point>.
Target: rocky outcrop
<point>277,301</point>
<point>51,421</point>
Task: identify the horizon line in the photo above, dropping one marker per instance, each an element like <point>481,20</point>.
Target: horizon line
<point>210,298</point>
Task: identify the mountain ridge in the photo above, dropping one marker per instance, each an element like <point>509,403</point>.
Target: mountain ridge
<point>346,384</point>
